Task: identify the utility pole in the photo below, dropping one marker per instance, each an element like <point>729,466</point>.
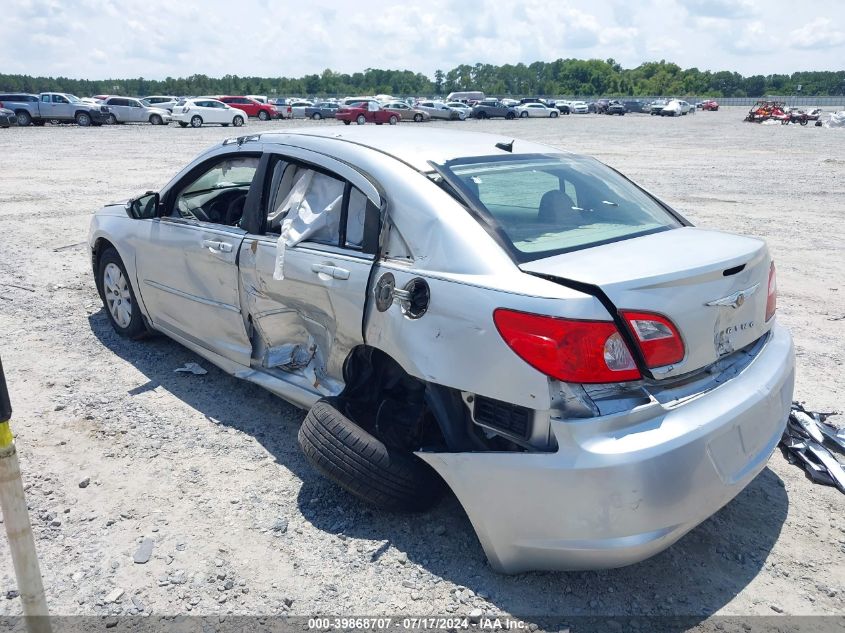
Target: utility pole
<point>18,527</point>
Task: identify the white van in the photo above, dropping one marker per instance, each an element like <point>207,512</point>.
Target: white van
<point>465,96</point>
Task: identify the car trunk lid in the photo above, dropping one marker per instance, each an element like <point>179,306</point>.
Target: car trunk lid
<point>711,285</point>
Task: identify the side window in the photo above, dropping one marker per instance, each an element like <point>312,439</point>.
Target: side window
<point>45,98</point>
<point>309,203</point>
<point>59,99</point>
<point>355,218</point>
<point>219,193</point>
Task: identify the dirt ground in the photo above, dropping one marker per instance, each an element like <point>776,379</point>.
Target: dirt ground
<point>208,467</point>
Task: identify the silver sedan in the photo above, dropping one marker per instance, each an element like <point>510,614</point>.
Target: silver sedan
<point>520,324</point>
<point>129,110</point>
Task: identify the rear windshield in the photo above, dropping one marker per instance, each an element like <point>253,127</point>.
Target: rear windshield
<point>543,205</point>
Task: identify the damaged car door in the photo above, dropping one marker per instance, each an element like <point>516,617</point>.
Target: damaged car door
<point>188,270</point>
<point>306,271</point>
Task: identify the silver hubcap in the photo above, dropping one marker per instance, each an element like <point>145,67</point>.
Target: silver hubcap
<point>118,299</point>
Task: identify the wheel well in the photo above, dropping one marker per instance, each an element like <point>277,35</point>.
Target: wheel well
<point>100,246</point>
<point>404,411</point>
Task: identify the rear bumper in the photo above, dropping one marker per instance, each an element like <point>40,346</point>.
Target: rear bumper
<point>622,488</point>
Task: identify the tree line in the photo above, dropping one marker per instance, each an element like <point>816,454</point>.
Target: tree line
<point>571,77</point>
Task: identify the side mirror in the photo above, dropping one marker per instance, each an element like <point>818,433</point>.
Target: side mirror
<point>5,404</point>
<point>144,207</point>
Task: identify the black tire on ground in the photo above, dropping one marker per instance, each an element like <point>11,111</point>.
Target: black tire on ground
<point>344,452</point>
<point>523,115</point>
<point>112,120</point>
<point>481,115</point>
<point>393,120</point>
<point>238,121</point>
<point>196,121</point>
<point>83,119</point>
<point>361,119</point>
<point>554,115</point>
<point>136,328</point>
<point>347,122</point>
<point>263,115</point>
<point>316,116</point>
<point>156,120</point>
<point>182,124</point>
<point>418,117</point>
<point>24,118</point>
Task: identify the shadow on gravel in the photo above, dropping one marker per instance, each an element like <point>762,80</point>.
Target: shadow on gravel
<point>696,577</point>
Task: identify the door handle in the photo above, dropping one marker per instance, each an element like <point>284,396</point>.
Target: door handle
<point>223,247</point>
<point>331,270</point>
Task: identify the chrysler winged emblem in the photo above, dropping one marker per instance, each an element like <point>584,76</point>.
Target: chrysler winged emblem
<point>736,299</point>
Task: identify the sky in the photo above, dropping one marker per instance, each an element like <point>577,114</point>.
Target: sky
<point>97,39</point>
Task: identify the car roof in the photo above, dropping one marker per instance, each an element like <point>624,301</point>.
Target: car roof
<point>414,146</point>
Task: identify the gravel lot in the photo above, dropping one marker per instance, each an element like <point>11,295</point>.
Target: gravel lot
<point>117,448</point>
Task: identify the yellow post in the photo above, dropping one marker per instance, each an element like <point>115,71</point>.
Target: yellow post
<point>18,528</point>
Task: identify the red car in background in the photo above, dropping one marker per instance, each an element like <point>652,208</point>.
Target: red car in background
<point>710,104</point>
<point>264,111</point>
<point>366,112</point>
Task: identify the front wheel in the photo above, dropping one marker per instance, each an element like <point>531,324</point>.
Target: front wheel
<point>393,120</point>
<point>263,116</point>
<point>196,121</point>
<point>554,115</point>
<point>238,121</point>
<point>118,296</point>
<point>523,115</point>
<point>509,116</point>
<point>156,120</point>
<point>24,118</point>
<point>182,124</point>
<point>83,119</point>
<point>361,119</point>
<point>316,116</point>
<point>418,118</point>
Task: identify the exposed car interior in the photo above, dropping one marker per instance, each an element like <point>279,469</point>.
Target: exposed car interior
<point>219,194</point>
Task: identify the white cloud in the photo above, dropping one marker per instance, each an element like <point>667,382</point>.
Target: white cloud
<point>157,38</point>
<point>820,33</point>
<point>727,9</point>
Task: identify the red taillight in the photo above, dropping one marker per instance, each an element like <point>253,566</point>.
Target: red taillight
<point>567,350</point>
<point>657,337</point>
<point>772,297</point>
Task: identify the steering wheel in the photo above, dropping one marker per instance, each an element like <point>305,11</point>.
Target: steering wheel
<point>235,210</point>
<point>218,208</point>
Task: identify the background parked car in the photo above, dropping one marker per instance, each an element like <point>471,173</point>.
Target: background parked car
<point>711,104</point>
<point>634,105</point>
<point>615,107</point>
<point>297,108</point>
<point>8,117</point>
<point>579,107</point>
<point>460,106</point>
<point>129,110</point>
<point>322,110</point>
<point>264,111</point>
<point>406,112</point>
<point>366,112</point>
<point>536,109</point>
<point>439,110</point>
<point>675,107</point>
<point>507,102</point>
<point>54,106</point>
<point>161,101</point>
<point>282,107</point>
<point>204,110</point>
<point>656,106</point>
<point>492,108</point>
<point>562,106</point>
